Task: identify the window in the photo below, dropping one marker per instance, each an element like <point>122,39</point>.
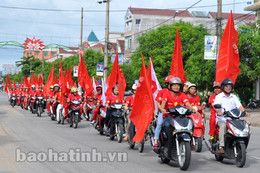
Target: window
<point>37,53</point>
<point>137,21</point>
<point>45,53</point>
<point>128,41</point>
<point>27,54</point>
<point>53,53</point>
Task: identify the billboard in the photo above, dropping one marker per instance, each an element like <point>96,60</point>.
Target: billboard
<point>100,69</point>
<point>210,47</point>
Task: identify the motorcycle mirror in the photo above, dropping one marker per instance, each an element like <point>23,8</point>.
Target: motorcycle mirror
<point>217,106</point>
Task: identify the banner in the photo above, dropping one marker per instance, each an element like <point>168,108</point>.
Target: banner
<point>210,47</point>
<point>100,69</point>
<point>120,58</point>
<point>75,71</point>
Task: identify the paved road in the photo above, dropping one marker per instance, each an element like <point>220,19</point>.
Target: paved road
<point>23,133</point>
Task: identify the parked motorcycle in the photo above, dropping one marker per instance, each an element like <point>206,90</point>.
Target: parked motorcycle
<point>117,122</point>
<point>74,113</point>
<point>236,138</point>
<point>254,104</point>
<point>13,100</point>
<point>175,137</point>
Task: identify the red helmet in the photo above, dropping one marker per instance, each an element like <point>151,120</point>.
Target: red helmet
<point>168,78</point>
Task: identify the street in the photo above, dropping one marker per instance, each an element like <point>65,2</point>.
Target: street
<point>23,133</point>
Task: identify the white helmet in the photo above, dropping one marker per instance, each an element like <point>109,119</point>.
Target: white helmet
<point>134,86</point>
<point>33,86</point>
<point>56,85</point>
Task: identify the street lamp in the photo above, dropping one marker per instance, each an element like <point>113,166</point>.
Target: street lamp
<point>106,37</point>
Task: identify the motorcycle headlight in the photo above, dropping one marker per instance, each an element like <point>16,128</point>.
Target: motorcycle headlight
<point>237,132</point>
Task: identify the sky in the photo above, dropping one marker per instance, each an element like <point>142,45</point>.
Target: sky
<point>61,24</point>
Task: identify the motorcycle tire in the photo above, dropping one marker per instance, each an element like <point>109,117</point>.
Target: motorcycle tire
<point>241,155</point>
<point>120,129</point>
<point>185,152</point>
<point>75,121</point>
<point>141,146</point>
<point>198,144</point>
<point>218,157</point>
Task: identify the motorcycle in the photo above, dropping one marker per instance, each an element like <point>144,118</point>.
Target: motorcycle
<point>175,137</point>
<point>39,106</point>
<point>74,113</point>
<point>89,110</point>
<point>13,100</point>
<point>198,131</point>
<point>254,104</point>
<point>21,101</point>
<point>99,125</point>
<point>33,105</point>
<point>236,138</point>
<point>116,122</point>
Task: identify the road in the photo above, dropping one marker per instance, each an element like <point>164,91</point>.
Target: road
<point>23,134</point>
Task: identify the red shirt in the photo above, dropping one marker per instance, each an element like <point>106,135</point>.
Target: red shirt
<point>160,95</point>
<point>74,97</point>
<point>39,93</point>
<point>212,100</point>
<point>32,93</point>
<point>194,101</point>
<point>172,101</point>
<point>130,101</point>
<point>112,99</point>
<point>98,96</point>
<point>57,95</point>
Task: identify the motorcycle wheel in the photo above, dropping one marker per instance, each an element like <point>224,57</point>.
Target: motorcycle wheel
<point>13,104</point>
<point>119,133</point>
<point>198,144</point>
<point>75,121</point>
<point>241,155</point>
<point>38,111</point>
<point>165,160</point>
<point>62,117</point>
<point>141,146</point>
<point>185,155</point>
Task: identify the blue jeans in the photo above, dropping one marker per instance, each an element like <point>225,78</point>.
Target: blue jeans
<point>159,125</point>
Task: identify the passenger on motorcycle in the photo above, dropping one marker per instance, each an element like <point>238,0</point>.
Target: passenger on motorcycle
<point>111,99</point>
<point>160,117</point>
<point>72,96</point>
<point>212,120</point>
<point>129,104</point>
<point>56,98</point>
<point>40,93</point>
<point>50,97</point>
<point>32,93</point>
<point>173,98</point>
<point>99,103</point>
<point>194,99</point>
<point>228,101</point>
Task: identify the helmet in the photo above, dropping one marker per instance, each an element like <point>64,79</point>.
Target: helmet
<point>226,82</point>
<point>192,85</point>
<point>98,86</point>
<point>73,89</point>
<point>134,86</point>
<point>115,86</point>
<point>216,84</point>
<point>56,85</point>
<point>51,87</point>
<point>175,80</point>
<point>40,87</point>
<point>33,86</point>
<point>187,83</point>
<point>168,78</point>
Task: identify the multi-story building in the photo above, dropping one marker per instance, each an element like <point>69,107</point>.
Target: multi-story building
<point>10,69</point>
<point>140,20</point>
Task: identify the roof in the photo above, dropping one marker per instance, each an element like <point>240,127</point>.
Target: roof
<point>61,51</point>
<point>239,16</point>
<point>92,37</point>
<point>99,45</point>
<point>160,12</point>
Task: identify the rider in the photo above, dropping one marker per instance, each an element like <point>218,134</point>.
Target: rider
<point>50,97</point>
<point>173,97</point>
<point>40,93</point>
<point>159,103</point>
<point>56,98</point>
<point>228,101</point>
<point>185,87</point>
<point>32,94</point>
<point>99,102</point>
<point>129,104</point>
<point>212,120</point>
<point>111,99</point>
<point>72,96</point>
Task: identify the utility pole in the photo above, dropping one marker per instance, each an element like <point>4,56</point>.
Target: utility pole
<point>42,67</point>
<point>219,27</point>
<point>106,42</point>
<point>81,28</point>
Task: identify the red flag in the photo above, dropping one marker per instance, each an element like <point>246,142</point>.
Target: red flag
<point>49,82</point>
<point>62,85</point>
<point>83,77</point>
<point>14,85</point>
<point>56,80</point>
<point>143,109</point>
<point>40,80</point>
<point>116,76</point>
<point>177,64</point>
<point>8,81</point>
<point>6,88</point>
<point>69,77</point>
<point>25,81</point>
<point>33,79</point>
<point>228,57</point>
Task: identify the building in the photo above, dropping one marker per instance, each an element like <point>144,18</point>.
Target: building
<point>10,69</point>
<point>61,53</point>
<point>140,20</point>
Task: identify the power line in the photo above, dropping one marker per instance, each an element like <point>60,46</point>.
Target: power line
<point>103,11</point>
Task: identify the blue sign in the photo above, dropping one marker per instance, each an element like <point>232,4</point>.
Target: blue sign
<point>100,66</point>
<point>120,58</point>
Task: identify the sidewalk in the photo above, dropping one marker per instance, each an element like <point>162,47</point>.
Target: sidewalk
<point>254,118</point>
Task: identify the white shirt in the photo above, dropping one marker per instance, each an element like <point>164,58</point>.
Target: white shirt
<point>227,104</point>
